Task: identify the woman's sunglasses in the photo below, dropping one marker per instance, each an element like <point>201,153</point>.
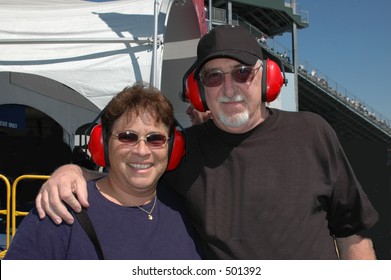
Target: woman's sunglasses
<point>240,74</point>
<point>154,140</point>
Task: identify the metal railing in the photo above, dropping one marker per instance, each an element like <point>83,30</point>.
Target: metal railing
<point>334,88</point>
<point>11,212</point>
<point>7,213</point>
<point>16,212</point>
<point>304,15</point>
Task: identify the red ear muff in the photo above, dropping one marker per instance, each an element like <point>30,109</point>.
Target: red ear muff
<point>193,94</point>
<point>272,81</point>
<point>96,145</point>
<point>176,150</point>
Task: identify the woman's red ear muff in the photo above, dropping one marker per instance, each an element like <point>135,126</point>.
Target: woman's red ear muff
<point>272,80</point>
<point>176,149</point>
<point>96,145</point>
<point>193,92</point>
<point>98,149</point>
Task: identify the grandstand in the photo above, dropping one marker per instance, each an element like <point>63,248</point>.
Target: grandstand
<point>316,91</point>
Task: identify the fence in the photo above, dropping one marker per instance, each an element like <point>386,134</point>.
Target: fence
<point>11,201</point>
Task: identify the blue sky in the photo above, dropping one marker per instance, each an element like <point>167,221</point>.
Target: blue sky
<point>349,41</point>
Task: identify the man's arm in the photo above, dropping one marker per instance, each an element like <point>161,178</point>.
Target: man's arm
<point>62,186</point>
<point>355,247</point>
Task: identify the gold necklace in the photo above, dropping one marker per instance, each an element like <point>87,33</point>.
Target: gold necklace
<point>150,217</point>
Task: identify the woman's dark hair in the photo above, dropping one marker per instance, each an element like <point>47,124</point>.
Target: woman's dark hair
<point>136,99</point>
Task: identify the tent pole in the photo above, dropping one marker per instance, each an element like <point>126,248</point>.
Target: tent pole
<point>154,63</point>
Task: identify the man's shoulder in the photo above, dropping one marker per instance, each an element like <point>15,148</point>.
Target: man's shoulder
<point>303,122</point>
<point>303,116</point>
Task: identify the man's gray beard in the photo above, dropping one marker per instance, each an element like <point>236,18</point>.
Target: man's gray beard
<point>236,120</point>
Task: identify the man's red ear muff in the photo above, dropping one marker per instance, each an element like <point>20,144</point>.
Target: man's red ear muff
<point>176,149</point>
<point>96,146</point>
<point>193,92</point>
<point>272,80</point>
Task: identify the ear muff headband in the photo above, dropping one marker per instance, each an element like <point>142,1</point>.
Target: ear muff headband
<point>99,151</point>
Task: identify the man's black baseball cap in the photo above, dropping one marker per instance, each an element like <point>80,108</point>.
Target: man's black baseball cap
<point>227,41</point>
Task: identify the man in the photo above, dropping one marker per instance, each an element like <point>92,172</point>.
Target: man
<point>197,117</point>
<point>258,183</point>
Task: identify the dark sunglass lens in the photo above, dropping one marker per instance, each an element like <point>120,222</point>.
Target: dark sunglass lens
<point>212,78</point>
<point>242,74</point>
<point>128,137</point>
<point>156,140</point>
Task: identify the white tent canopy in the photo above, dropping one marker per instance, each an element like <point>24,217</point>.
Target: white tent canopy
<point>44,38</point>
<point>67,58</point>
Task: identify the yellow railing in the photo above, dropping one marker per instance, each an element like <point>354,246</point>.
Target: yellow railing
<point>16,212</point>
<point>7,213</point>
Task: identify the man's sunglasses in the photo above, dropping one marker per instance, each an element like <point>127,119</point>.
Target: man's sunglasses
<point>154,140</point>
<point>240,74</point>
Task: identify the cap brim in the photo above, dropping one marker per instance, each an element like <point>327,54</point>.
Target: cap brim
<point>242,57</point>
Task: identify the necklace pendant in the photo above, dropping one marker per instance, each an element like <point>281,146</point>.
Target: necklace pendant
<point>150,217</point>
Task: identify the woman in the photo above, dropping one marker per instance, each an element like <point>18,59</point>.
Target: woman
<point>133,217</point>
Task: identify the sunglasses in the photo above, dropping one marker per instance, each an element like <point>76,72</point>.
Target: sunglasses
<point>154,140</point>
<point>240,74</point>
